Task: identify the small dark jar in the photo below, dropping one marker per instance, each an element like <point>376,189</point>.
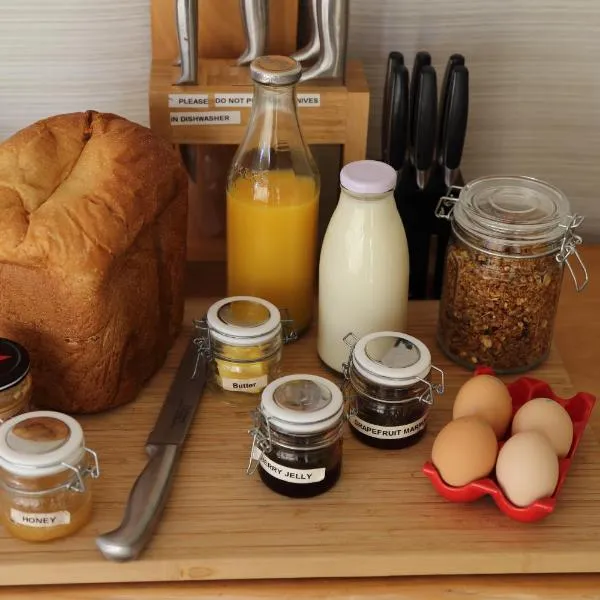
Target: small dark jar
<point>297,436</point>
<point>389,391</point>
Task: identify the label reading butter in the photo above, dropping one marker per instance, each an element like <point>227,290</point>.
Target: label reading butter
<point>215,117</point>
<point>250,386</point>
<point>62,517</point>
<point>188,100</point>
<point>388,433</point>
<point>287,473</point>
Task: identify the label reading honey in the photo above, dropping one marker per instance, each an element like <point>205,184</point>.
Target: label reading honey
<point>250,386</point>
<point>25,519</point>
<point>388,433</point>
<point>288,474</point>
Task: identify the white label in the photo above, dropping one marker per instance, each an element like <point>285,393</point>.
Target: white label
<point>62,517</point>
<point>244,100</point>
<point>188,100</point>
<point>251,386</point>
<point>240,100</point>
<point>313,100</point>
<point>387,433</point>
<point>216,117</point>
<point>287,473</point>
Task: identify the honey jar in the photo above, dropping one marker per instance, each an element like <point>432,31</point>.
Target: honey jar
<point>45,476</point>
<point>245,339</point>
<point>297,435</point>
<point>389,391</point>
<point>15,379</point>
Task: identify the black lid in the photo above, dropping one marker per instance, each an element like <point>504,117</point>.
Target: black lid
<point>14,363</point>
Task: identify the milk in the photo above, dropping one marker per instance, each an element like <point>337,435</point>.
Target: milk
<point>363,269</point>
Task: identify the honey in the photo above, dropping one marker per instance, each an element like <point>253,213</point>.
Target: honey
<point>45,473</point>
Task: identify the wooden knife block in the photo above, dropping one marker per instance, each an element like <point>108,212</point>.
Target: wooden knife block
<point>339,118</point>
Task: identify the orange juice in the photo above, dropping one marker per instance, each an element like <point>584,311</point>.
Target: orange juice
<point>271,241</point>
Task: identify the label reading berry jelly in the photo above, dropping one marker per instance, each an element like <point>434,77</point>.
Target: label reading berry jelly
<point>288,473</point>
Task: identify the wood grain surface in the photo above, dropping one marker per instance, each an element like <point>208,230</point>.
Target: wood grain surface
<point>382,518</point>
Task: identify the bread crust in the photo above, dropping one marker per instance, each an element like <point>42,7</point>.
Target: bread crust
<point>93,217</point>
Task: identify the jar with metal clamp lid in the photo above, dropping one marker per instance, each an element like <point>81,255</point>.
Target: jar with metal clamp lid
<point>45,476</point>
<point>245,340</point>
<point>389,391</point>
<point>297,436</point>
<point>15,379</point>
<point>511,239</point>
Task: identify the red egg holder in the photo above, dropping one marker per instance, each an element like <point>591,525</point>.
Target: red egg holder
<point>522,390</point>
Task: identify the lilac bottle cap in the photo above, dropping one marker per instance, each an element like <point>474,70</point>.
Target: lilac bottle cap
<point>368,177</point>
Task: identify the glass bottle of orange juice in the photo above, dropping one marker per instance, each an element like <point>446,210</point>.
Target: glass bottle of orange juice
<point>273,199</point>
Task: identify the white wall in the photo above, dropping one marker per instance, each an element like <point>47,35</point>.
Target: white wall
<point>535,103</point>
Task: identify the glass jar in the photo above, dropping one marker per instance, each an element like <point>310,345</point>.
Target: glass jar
<point>364,257</point>
<point>389,391</point>
<point>273,198</point>
<point>45,472</point>
<point>245,339</point>
<point>297,436</point>
<point>511,238</point>
<point>15,379</point>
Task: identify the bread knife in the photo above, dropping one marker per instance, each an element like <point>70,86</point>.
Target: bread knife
<point>150,492</point>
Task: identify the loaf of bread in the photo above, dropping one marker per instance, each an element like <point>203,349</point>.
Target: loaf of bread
<point>93,216</point>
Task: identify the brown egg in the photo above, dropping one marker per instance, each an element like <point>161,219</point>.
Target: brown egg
<point>527,468</point>
<point>464,450</point>
<point>487,397</point>
<point>548,417</point>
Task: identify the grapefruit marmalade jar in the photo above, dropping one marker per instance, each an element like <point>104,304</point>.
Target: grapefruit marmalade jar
<point>45,473</point>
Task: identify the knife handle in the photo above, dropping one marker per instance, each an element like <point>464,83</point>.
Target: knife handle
<point>456,117</point>
<point>146,502</point>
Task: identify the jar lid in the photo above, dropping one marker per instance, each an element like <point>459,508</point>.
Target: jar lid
<point>368,177</point>
<point>275,70</point>
<point>391,358</point>
<point>243,320</point>
<point>302,404</point>
<point>40,443</point>
<point>512,209</point>
<point>14,363</point>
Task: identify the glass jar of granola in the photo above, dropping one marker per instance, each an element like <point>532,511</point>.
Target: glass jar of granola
<point>511,239</point>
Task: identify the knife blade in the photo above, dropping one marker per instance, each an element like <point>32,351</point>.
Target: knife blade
<point>395,113</point>
<point>424,124</point>
<point>150,491</point>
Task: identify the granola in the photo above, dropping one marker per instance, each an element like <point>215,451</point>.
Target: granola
<point>498,310</point>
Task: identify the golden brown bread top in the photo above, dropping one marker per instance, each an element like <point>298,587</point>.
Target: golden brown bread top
<point>76,190</point>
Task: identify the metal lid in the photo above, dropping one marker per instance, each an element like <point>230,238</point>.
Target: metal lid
<point>302,404</point>
<point>275,70</point>
<point>14,363</point>
<point>368,177</point>
<point>512,209</point>
<point>391,358</point>
<point>243,320</point>
<point>40,443</point>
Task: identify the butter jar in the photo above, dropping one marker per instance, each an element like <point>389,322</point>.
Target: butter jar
<point>297,436</point>
<point>15,379</point>
<point>389,389</point>
<point>45,476</point>
<point>245,339</point>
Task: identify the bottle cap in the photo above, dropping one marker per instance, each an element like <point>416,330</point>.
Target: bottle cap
<point>368,177</point>
<point>275,70</point>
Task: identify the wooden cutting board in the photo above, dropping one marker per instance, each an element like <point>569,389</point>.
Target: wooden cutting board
<point>383,518</point>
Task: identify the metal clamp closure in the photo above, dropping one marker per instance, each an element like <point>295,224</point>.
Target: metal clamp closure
<point>568,248</point>
<point>93,471</point>
<point>445,205</point>
<point>289,333</point>
<point>437,388</point>
<point>261,443</point>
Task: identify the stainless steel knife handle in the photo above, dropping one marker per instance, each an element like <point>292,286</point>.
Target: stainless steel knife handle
<point>186,17</point>
<point>333,19</point>
<point>255,19</point>
<point>311,50</point>
<point>146,502</point>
